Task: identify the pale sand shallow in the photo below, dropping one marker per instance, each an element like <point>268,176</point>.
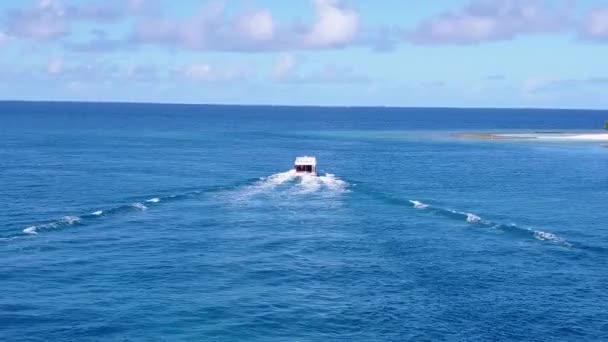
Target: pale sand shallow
<point>537,135</point>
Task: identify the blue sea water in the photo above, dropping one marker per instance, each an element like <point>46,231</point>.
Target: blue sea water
<point>142,222</point>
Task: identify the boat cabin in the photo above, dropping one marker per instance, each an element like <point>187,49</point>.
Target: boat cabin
<point>306,165</point>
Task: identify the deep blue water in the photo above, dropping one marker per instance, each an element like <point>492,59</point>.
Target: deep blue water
<point>179,223</point>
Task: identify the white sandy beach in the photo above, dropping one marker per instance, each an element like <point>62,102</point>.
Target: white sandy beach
<point>570,136</point>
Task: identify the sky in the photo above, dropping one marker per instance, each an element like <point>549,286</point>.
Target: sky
<point>440,53</point>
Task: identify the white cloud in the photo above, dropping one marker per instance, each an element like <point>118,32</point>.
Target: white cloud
<point>204,72</point>
<point>596,24</point>
<point>3,39</point>
<point>286,71</point>
<point>284,68</point>
<point>53,19</point>
<point>336,25</point>
<point>212,28</point>
<point>55,66</point>
<point>46,20</point>
<point>198,72</point>
<point>257,26</point>
<point>484,20</point>
<point>206,29</point>
<point>547,84</point>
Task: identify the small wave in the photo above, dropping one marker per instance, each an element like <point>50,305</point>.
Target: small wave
<point>139,206</point>
<point>332,182</point>
<point>70,219</point>
<point>301,183</point>
<point>277,179</point>
<point>31,230</point>
<point>311,183</point>
<point>419,205</point>
<point>469,217</point>
<point>472,218</point>
<point>545,236</point>
<point>64,221</point>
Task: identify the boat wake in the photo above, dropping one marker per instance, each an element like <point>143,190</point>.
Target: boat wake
<point>295,183</point>
<point>298,184</point>
<point>286,185</point>
<point>478,221</point>
<point>62,222</point>
<point>138,206</point>
<point>73,220</point>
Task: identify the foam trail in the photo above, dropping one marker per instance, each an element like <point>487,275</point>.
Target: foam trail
<point>545,236</point>
<point>301,183</point>
<point>478,221</point>
<point>139,206</point>
<point>31,230</point>
<point>472,218</point>
<point>277,179</point>
<point>419,205</point>
<point>70,219</point>
<point>311,183</point>
<point>332,182</point>
<point>64,221</point>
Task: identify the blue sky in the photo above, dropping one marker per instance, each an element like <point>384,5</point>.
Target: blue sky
<point>464,53</point>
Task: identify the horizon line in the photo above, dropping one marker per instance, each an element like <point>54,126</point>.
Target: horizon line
<point>296,105</point>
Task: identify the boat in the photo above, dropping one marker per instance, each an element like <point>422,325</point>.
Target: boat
<point>306,165</point>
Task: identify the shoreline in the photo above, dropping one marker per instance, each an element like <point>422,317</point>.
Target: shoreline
<point>556,136</point>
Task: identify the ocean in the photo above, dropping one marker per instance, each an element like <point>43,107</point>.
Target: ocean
<point>148,222</point>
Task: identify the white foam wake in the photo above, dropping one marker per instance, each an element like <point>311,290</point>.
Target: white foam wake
<point>277,179</point>
<point>301,183</point>
<point>153,200</point>
<point>545,236</point>
<point>311,183</point>
<point>31,230</point>
<point>419,205</point>
<point>70,219</point>
<point>472,218</point>
<point>139,206</point>
<point>66,220</point>
<point>97,213</point>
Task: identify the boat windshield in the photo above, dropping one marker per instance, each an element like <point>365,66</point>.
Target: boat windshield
<point>303,168</point>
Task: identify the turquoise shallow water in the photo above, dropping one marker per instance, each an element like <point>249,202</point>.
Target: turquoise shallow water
<point>181,223</point>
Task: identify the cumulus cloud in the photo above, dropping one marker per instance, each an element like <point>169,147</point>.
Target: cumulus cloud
<point>46,20</point>
<point>207,29</point>
<point>101,42</point>
<point>3,39</point>
<point>52,19</point>
<point>257,26</point>
<point>540,84</point>
<point>286,70</point>
<point>284,67</point>
<point>336,25</point>
<point>205,72</point>
<point>211,28</point>
<point>595,25</point>
<point>55,66</point>
<point>491,20</point>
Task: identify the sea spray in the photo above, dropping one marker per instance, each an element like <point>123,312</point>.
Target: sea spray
<point>478,221</point>
<point>419,205</point>
<point>292,182</point>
